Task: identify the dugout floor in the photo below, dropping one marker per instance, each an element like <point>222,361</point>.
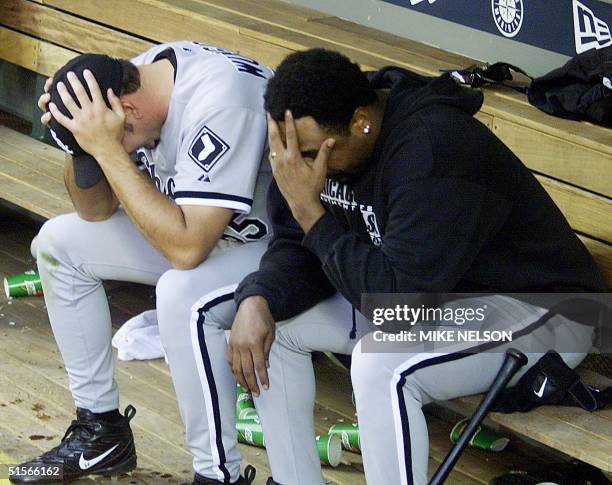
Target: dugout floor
<point>36,407</point>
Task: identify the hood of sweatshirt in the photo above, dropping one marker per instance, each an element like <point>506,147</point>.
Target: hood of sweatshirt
<point>417,92</point>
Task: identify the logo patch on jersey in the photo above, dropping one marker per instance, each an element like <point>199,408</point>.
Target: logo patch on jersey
<point>207,149</point>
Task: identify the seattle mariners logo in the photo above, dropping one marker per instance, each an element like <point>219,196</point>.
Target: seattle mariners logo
<point>508,16</point>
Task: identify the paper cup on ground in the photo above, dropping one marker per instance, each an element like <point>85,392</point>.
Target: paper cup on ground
<point>250,415</point>
<point>23,284</point>
<point>250,433</point>
<point>349,436</point>
<point>484,438</point>
<point>244,403</point>
<point>330,449</point>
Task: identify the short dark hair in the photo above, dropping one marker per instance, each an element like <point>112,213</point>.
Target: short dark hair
<point>130,79</point>
<point>320,83</point>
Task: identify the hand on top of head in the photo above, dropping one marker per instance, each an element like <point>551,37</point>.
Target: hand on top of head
<point>95,127</point>
<point>43,103</point>
<point>77,104</point>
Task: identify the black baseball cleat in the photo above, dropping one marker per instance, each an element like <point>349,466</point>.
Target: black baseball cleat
<point>247,479</point>
<point>89,447</point>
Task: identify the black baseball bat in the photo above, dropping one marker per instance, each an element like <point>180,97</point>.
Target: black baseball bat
<point>513,361</point>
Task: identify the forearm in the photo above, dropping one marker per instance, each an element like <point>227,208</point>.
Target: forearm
<point>286,296</point>
<point>290,279</point>
<point>159,219</point>
<point>96,203</point>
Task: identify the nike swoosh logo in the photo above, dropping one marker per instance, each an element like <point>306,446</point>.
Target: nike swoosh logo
<point>86,464</point>
<point>540,393</point>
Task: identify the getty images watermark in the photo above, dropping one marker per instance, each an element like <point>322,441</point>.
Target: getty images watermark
<point>417,322</point>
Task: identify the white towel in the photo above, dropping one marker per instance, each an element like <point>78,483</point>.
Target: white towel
<point>138,338</point>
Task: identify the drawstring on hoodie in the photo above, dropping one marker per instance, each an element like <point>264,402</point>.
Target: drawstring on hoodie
<point>353,333</point>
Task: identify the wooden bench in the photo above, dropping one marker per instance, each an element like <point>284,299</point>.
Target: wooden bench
<point>32,175</point>
<point>573,431</point>
<point>572,160</point>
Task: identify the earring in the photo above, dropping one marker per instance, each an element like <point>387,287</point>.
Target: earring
<point>366,129</point>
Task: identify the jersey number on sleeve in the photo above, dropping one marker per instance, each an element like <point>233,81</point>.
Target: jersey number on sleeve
<point>246,229</point>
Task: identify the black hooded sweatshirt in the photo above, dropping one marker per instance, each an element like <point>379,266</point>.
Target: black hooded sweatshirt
<point>441,206</point>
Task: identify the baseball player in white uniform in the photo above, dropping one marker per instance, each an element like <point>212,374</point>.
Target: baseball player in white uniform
<point>173,197</point>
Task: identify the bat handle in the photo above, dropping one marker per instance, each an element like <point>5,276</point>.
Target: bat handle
<point>513,361</point>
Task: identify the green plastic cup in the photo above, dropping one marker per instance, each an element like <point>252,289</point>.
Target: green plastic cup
<point>330,449</point>
<point>484,438</point>
<point>349,436</point>
<point>244,402</point>
<point>250,432</point>
<point>23,284</point>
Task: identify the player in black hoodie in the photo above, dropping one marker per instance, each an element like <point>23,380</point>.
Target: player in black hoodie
<point>385,183</point>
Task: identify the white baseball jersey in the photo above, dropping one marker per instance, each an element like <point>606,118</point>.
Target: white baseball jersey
<point>212,149</point>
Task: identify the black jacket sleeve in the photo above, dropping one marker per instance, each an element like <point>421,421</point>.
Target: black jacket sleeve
<point>434,231</point>
<point>290,276</point>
